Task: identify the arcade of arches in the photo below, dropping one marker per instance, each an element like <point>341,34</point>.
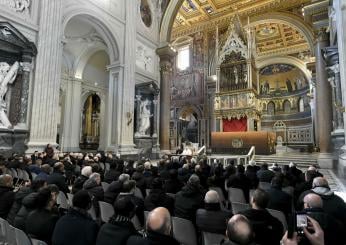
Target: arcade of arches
<point>148,76</point>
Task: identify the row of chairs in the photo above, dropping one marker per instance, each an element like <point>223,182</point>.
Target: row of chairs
<point>183,230</point>
<point>13,236</point>
<point>104,166</point>
<point>238,203</point>
<point>19,175</point>
<point>238,207</point>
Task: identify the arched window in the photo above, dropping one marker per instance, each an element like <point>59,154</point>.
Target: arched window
<point>301,105</point>
<point>271,108</point>
<point>287,106</point>
<point>183,57</point>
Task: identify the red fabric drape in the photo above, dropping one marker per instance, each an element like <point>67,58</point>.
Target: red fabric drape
<point>235,125</point>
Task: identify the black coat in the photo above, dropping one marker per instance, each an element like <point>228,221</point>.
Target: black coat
<point>94,189</point>
<point>158,198</point>
<point>268,230</point>
<point>153,238</point>
<point>113,191</point>
<point>6,200</point>
<point>265,175</point>
<point>333,229</point>
<point>40,225</point>
<point>240,181</point>
<point>115,232</point>
<point>111,175</point>
<point>332,204</point>
<point>279,200</point>
<point>138,202</point>
<point>28,205</point>
<point>78,184</point>
<point>58,179</point>
<point>212,218</point>
<point>187,201</point>
<point>17,204</point>
<point>172,186</point>
<point>75,228</point>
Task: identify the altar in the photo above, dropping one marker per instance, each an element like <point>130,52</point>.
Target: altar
<point>239,143</point>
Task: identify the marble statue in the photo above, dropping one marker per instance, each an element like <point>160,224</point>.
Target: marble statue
<point>144,117</point>
<point>7,76</point>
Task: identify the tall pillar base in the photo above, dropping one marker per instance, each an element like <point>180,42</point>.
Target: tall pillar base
<point>38,146</point>
<point>128,151</point>
<point>342,163</point>
<point>325,160</point>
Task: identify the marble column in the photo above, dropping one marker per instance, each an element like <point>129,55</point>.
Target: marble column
<point>27,68</point>
<point>113,115</point>
<point>323,103</point>
<point>155,102</point>
<point>45,97</point>
<point>166,54</point>
<point>138,114</point>
<point>127,88</point>
<point>71,118</point>
<point>340,9</point>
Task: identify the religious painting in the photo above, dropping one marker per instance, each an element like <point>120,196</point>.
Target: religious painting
<point>281,79</point>
<point>187,88</point>
<point>146,13</point>
<point>198,58</point>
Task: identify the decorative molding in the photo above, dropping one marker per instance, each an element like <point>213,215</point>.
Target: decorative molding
<point>21,6</point>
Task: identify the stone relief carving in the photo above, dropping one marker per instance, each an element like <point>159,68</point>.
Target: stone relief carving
<point>7,76</point>
<point>90,37</point>
<point>21,6</point>
<point>144,59</point>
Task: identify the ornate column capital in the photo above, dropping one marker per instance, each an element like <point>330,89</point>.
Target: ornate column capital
<point>322,34</point>
<point>27,66</point>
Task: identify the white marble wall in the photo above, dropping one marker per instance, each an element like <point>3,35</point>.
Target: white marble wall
<point>340,12</point>
<point>120,26</point>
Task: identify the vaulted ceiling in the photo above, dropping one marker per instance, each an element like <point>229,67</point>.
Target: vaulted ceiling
<point>271,37</point>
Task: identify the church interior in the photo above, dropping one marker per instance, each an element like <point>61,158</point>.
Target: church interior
<point>225,82</point>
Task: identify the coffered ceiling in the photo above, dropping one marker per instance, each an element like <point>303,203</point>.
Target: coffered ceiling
<point>196,11</point>
<point>271,38</point>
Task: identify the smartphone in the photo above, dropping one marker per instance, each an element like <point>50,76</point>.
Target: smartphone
<point>301,222</point>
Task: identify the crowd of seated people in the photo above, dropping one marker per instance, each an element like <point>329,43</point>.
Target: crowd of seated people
<point>179,187</point>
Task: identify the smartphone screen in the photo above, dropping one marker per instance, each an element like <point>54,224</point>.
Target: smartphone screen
<point>302,221</point>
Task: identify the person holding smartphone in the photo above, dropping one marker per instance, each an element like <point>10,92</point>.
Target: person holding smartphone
<point>313,232</point>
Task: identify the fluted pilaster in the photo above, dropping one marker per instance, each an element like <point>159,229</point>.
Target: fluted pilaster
<point>43,127</point>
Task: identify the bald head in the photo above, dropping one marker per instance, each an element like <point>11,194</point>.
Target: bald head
<point>239,230</point>
<point>211,197</point>
<point>159,220</point>
<point>320,182</point>
<point>313,201</point>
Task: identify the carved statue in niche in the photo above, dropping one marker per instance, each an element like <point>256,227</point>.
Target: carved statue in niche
<point>144,117</point>
<point>7,76</point>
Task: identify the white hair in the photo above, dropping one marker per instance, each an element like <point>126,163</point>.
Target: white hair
<point>147,165</point>
<point>124,177</point>
<point>212,197</point>
<point>87,171</point>
<point>94,176</point>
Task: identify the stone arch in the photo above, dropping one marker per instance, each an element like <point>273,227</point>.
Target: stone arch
<point>271,108</point>
<point>192,108</point>
<point>287,106</point>
<point>102,27</point>
<point>288,19</point>
<point>280,17</point>
<point>289,60</point>
<point>83,59</point>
